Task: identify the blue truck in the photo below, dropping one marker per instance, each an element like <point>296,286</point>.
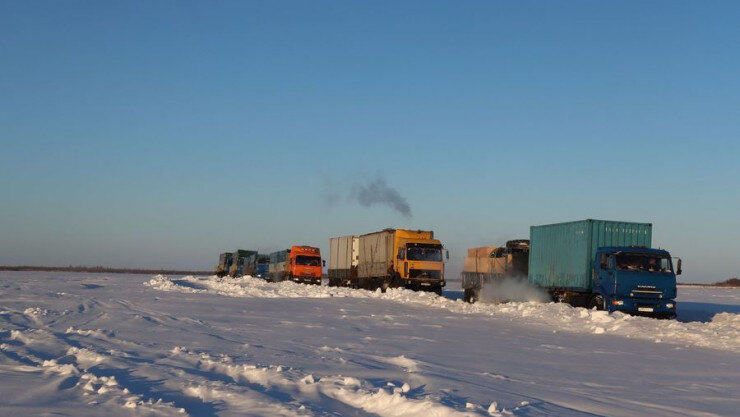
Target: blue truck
<point>608,265</point>
<point>262,267</point>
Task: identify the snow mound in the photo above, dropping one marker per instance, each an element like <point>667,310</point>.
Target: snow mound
<point>722,332</point>
<point>402,361</point>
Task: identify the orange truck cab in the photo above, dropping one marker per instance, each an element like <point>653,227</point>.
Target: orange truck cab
<point>299,264</point>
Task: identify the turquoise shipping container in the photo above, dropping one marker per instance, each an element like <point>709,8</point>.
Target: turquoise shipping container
<point>561,255</point>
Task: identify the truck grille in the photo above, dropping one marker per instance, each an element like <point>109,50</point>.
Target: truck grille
<point>645,293</point>
<point>425,274</point>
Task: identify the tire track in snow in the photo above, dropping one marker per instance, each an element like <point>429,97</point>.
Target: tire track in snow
<point>98,376</point>
<point>109,377</point>
<point>201,384</point>
<point>321,395</point>
<point>75,370</point>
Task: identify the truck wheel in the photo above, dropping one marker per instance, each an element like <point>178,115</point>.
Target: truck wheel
<point>597,301</point>
<point>396,281</point>
<point>469,296</point>
<point>438,291</point>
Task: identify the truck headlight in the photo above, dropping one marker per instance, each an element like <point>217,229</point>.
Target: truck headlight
<point>669,305</point>
<point>617,302</point>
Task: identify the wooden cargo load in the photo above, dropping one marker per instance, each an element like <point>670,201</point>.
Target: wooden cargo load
<point>480,260</point>
<point>481,252</point>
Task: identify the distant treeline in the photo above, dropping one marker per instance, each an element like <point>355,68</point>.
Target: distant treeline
<point>732,282</point>
<point>103,269</point>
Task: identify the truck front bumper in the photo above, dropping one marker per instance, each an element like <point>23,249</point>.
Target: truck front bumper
<point>424,283</point>
<point>307,280</point>
<point>659,308</point>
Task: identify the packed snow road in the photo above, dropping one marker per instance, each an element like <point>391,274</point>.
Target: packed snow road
<point>123,345</point>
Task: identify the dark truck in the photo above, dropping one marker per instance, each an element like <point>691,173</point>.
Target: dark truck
<point>224,263</point>
<point>608,265</point>
<point>490,264</point>
<point>262,267</point>
<point>244,262</point>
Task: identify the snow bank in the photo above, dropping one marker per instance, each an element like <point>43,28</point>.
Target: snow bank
<point>722,332</point>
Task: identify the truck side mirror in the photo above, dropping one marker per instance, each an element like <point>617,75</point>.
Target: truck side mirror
<point>447,255</point>
<point>678,267</point>
<point>323,262</point>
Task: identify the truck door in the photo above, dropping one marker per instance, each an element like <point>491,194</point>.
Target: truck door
<point>604,274</point>
<point>401,257</point>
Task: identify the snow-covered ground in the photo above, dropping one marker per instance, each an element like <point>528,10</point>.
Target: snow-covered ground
<point>122,345</point>
<point>703,303</point>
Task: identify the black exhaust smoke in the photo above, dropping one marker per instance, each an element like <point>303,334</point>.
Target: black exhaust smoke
<point>379,192</point>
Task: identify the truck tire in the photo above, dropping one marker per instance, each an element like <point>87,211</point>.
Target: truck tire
<point>596,301</point>
<point>438,291</point>
<point>396,281</point>
<point>469,295</point>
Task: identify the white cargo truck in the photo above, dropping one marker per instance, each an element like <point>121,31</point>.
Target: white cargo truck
<point>343,259</point>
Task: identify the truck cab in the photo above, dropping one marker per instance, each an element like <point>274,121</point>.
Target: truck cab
<point>635,280</point>
<point>224,264</point>
<point>243,263</point>
<point>419,261</point>
<point>263,264</point>
<point>305,265</point>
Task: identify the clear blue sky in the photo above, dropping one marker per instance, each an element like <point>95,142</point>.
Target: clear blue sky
<point>157,134</point>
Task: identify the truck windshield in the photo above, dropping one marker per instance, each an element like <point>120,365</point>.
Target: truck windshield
<point>643,262</point>
<point>424,254</point>
<point>308,260</point>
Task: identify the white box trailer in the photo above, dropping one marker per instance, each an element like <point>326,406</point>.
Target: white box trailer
<point>377,253</point>
<point>343,259</point>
